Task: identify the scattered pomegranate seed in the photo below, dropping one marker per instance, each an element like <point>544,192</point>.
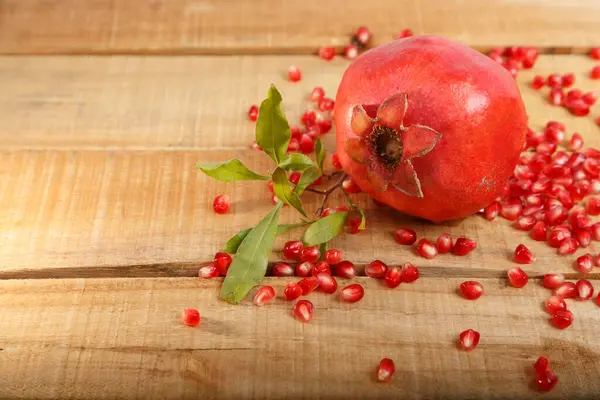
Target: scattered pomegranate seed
<point>525,223</point>
<point>327,53</point>
<point>307,144</point>
<point>335,161</point>
<point>598,299</point>
<point>349,186</point>
<point>463,246</point>
<point>263,295</point>
<point>585,263</point>
<point>345,269</point>
<point>292,250</point>
<point>523,255</point>
<point>311,254</point>
<point>304,269</point>
<point>294,74</point>
<point>321,267</point>
<point>552,281</point>
<point>404,33</point>
<point>409,273</point>
<point>585,290</point>
<point>538,82</point>
<point>469,339</point>
<point>376,269</point>
<point>542,365</point>
<point>492,211</point>
<point>562,319</point>
<point>554,304</point>
<point>590,98</point>
<point>190,317</point>
<point>333,256</point>
<point>351,52</point>
<point>222,262</point>
<point>444,243</point>
<point>558,236</point>
<point>576,142</point>
<point>405,236</point>
<point>304,310</point>
<point>583,237</point>
<point>352,293</point>
<point>517,277</point>
<point>539,231</point>
<point>283,269</point>
<point>385,370</point>
<point>315,95</point>
<point>568,246</point>
<point>471,290</point>
<point>554,81</point>
<point>363,35</point>
<point>308,285</point>
<point>326,104</point>
<point>292,291</point>
<point>393,277</point>
<point>208,271</point>
<point>568,80</point>
<point>354,224</point>
<point>567,290</point>
<point>426,249</point>
<point>556,96</point>
<point>221,204</point>
<point>546,381</point>
<point>327,283</point>
<point>253,113</point>
<point>595,53</point>
<point>595,72</point>
<point>511,211</point>
<point>595,231</point>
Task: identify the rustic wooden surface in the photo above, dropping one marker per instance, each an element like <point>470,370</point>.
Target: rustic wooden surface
<point>98,191</point>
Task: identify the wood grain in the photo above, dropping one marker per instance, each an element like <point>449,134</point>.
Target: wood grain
<point>122,338</point>
<point>261,26</point>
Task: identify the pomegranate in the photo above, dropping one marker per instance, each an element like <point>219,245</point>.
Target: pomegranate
<point>429,126</point>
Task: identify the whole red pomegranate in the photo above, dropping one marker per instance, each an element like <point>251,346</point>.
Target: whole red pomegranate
<point>429,126</point>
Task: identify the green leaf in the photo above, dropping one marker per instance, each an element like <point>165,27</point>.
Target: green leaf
<point>272,129</point>
<point>296,162</point>
<point>250,263</point>
<point>307,177</point>
<point>325,229</point>
<point>229,171</point>
<point>233,244</point>
<point>288,227</point>
<point>319,153</point>
<point>283,191</point>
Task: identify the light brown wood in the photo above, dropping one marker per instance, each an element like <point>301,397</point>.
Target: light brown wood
<point>259,26</point>
<point>122,338</point>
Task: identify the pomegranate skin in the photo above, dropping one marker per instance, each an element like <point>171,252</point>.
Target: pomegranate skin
<point>471,100</point>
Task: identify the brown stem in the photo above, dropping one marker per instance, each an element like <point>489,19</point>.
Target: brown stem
<point>327,193</point>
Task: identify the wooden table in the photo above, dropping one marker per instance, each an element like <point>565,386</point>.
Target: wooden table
<point>106,106</point>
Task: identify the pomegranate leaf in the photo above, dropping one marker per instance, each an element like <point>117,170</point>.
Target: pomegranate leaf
<point>319,153</point>
<point>230,171</point>
<point>325,229</point>
<point>296,162</point>
<point>234,242</point>
<point>283,191</point>
<point>250,262</point>
<point>272,128</point>
<point>307,177</point>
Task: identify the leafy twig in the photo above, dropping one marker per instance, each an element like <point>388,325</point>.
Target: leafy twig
<point>327,193</point>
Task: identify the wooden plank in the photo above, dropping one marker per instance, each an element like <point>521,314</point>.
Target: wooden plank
<point>259,26</point>
<point>189,102</point>
<point>152,210</point>
<point>122,338</point>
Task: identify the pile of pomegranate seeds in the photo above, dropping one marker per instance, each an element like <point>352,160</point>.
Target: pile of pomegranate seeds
<point>221,204</point>
<point>545,379</point>
<point>515,58</point>
<point>190,317</point>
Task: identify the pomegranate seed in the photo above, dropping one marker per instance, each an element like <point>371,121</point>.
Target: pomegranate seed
<point>315,95</point>
<point>542,365</point>
<point>567,290</point>
<point>326,104</point>
<point>598,299</point>
<point>304,310</point>
<point>426,249</point>
<point>307,144</point>
<point>525,223</point>
<point>558,236</point>
<point>327,53</point>
<point>568,246</point>
<point>595,72</point>
<point>463,246</point>
<point>517,277</point>
<point>583,237</point>
<point>333,256</point>
<point>363,35</point>
<point>539,231</point>
<point>471,290</point>
<point>345,269</point>
<point>253,113</point>
<point>222,262</point>
<point>556,215</point>
<point>294,74</point>
<point>554,81</point>
<point>404,33</point>
<point>546,381</point>
<point>190,317</point>
<point>335,161</point>
<point>405,236</point>
<point>492,211</point>
<point>385,370</point>
<point>349,186</point>
<point>538,82</point>
<point>221,204</point>
<point>311,254</point>
<point>593,206</point>
<point>283,269</point>
<point>585,290</point>
<point>568,80</point>
<point>304,269</point>
<point>523,255</point>
<point>292,291</point>
<point>354,224</point>
<point>530,57</point>
<point>595,231</point>
<point>552,281</point>
<point>511,211</point>
<point>562,319</point>
<point>444,243</point>
<point>409,273</point>
<point>350,52</point>
<point>293,145</point>
<point>393,277</point>
<point>308,285</point>
<point>270,186</point>
<point>376,269</point>
<point>208,271</point>
<point>554,304</point>
<point>590,98</point>
<point>556,96</point>
<point>469,339</point>
<point>327,283</point>
<point>352,293</point>
<point>292,250</point>
<point>321,267</point>
<point>264,294</point>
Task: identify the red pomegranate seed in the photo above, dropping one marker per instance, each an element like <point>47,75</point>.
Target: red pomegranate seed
<point>539,231</point>
<point>293,145</point>
<point>333,256</point>
<point>221,204</point>
<point>190,317</point>
<point>558,236</point>
<point>292,291</point>
<point>593,206</point>
<point>538,82</point>
<point>385,370</point>
<point>554,304</point>
<point>315,95</point>
<point>595,72</point>
<point>595,231</point>
<point>552,281</point>
<point>311,254</point>
<point>556,96</point>
<point>589,98</point>
<point>393,277</point>
<point>208,271</point>
<point>578,108</point>
<point>253,113</point>
<point>350,52</point>
<point>307,144</point>
<point>409,273</point>
<point>294,74</point>
<point>345,269</point>
<point>595,53</point>
<point>335,161</point>
<point>444,243</point>
<point>568,246</point>
<point>405,236</point>
<point>354,224</point>
<point>546,381</point>
<point>517,277</point>
<point>304,269</point>
<point>327,283</point>
<point>523,255</point>
<point>525,223</point>
<point>585,290</point>
<point>556,215</point>
<point>598,299</point>
<point>469,339</point>
<point>304,310</point>
<point>511,211</point>
<point>562,319</point>
<point>264,294</point>
<point>542,365</point>
<point>292,250</point>
<point>352,293</point>
<point>349,186</point>
<point>326,104</point>
<point>583,237</point>
<point>426,249</point>
<point>327,53</point>
<point>554,81</point>
<point>463,246</point>
<point>308,285</point>
<point>363,35</point>
<point>376,269</point>
<point>567,290</point>
<point>492,211</point>
<point>404,33</point>
<point>321,267</point>
<point>568,80</point>
<point>471,290</point>
<point>222,262</point>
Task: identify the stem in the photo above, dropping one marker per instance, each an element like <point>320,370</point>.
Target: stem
<point>327,193</point>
